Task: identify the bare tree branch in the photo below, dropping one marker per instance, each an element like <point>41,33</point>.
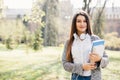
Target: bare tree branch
<point>93,9</point>
<point>88,7</point>
<point>102,8</point>
<point>85,5</point>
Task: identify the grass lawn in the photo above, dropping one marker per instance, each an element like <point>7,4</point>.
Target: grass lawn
<point>46,65</point>
<point>113,69</point>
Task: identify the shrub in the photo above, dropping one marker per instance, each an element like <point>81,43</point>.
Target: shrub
<point>112,41</point>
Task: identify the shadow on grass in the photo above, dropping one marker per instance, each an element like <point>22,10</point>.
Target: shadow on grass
<point>114,59</point>
<point>32,72</point>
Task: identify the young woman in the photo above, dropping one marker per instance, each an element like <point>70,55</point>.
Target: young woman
<point>77,54</point>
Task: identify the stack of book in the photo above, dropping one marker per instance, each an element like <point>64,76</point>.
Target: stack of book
<point>98,47</point>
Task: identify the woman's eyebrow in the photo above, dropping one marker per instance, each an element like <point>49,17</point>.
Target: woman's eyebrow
<point>82,19</point>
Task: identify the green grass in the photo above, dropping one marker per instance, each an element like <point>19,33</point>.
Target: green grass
<point>46,65</point>
<point>113,69</point>
<point>40,65</point>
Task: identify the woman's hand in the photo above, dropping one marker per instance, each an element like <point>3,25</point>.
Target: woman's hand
<point>94,57</point>
<point>88,66</point>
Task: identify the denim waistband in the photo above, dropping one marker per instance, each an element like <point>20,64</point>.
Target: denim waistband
<point>79,77</point>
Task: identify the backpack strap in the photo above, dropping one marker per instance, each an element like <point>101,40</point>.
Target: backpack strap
<point>94,37</point>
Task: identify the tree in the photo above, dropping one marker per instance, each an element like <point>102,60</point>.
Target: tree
<point>50,31</point>
<point>11,32</point>
<point>98,19</point>
<point>37,40</point>
<point>98,26</point>
<point>86,6</point>
<point>1,8</point>
<point>35,20</point>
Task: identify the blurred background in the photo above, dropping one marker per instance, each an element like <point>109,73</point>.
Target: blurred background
<point>33,33</point>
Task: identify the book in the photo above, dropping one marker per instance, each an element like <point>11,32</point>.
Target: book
<point>98,47</point>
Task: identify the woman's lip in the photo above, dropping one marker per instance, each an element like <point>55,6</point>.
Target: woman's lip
<point>82,27</point>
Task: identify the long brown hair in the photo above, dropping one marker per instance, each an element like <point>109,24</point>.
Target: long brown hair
<point>74,30</point>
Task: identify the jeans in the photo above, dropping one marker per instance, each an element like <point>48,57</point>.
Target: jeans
<point>78,77</point>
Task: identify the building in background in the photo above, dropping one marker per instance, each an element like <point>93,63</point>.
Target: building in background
<point>14,13</point>
<point>112,20</point>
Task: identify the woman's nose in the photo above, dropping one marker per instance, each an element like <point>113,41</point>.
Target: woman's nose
<point>82,23</point>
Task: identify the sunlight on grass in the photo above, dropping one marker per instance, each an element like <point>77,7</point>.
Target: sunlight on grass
<point>45,65</point>
<point>113,69</point>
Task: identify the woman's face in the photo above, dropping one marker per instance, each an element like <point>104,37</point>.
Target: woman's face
<point>81,24</point>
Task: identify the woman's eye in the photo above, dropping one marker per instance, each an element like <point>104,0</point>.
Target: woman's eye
<point>78,21</point>
<point>81,21</point>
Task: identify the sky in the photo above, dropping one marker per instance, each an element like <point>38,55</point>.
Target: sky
<point>16,4</point>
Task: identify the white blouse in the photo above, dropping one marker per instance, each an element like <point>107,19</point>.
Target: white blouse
<point>80,51</point>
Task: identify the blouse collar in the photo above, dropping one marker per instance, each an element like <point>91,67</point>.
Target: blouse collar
<point>76,36</point>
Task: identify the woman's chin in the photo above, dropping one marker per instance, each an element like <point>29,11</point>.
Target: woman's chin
<point>82,31</point>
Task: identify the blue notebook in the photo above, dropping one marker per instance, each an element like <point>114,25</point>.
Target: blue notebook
<point>98,47</point>
<point>98,42</point>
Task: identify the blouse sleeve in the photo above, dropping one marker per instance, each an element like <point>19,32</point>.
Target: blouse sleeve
<point>69,66</point>
<point>104,60</point>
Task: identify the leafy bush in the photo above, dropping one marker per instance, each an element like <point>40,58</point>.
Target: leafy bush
<point>112,41</point>
<point>37,40</point>
<point>8,43</point>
